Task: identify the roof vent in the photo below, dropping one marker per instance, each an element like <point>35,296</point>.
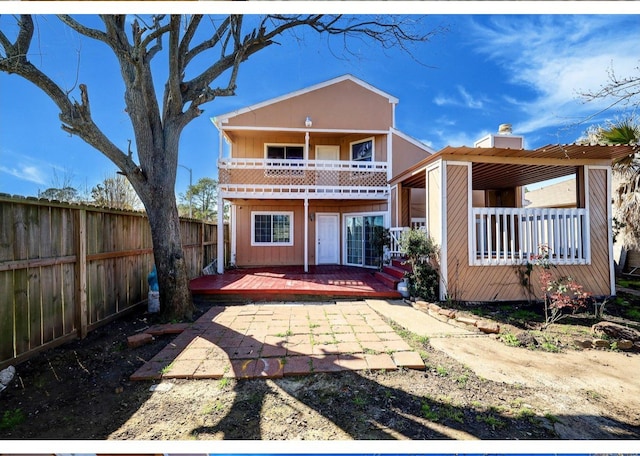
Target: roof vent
<point>505,129</point>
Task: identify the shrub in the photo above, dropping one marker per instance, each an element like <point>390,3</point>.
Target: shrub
<point>560,295</point>
<point>421,253</point>
<point>380,238</point>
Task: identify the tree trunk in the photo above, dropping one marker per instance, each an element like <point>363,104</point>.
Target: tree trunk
<point>156,188</point>
<point>175,296</point>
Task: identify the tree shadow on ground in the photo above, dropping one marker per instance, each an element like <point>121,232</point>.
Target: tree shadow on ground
<point>363,407</point>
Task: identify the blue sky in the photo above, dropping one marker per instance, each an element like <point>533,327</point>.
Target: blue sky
<point>485,70</point>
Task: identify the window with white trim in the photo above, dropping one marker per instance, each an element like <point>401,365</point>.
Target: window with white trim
<point>284,151</point>
<point>288,156</point>
<point>271,228</point>
<point>362,150</point>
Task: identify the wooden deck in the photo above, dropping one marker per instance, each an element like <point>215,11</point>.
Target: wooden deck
<point>290,283</point>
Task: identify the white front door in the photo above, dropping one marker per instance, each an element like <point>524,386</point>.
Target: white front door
<point>327,177</point>
<point>327,239</point>
<point>327,152</point>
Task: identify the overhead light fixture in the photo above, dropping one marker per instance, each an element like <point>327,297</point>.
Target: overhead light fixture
<point>307,122</point>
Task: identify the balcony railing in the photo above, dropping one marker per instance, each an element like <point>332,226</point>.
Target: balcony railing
<point>507,236</point>
<point>277,178</point>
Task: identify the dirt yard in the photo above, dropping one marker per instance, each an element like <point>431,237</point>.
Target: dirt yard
<point>473,388</point>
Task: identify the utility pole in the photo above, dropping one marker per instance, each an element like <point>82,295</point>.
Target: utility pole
<point>190,185</point>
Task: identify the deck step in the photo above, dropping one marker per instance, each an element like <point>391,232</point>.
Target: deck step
<point>395,271</point>
<point>400,263</point>
<point>389,280</point>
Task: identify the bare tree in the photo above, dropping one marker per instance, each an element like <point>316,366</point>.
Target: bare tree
<point>115,192</point>
<point>157,123</point>
<point>618,92</point>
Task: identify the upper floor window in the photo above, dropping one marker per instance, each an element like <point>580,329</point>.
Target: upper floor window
<point>290,153</point>
<point>285,151</point>
<point>362,150</point>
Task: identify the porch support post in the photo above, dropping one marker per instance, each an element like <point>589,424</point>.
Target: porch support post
<point>444,258</point>
<point>306,234</point>
<point>220,231</point>
<point>306,145</point>
<point>233,214</point>
<point>612,272</point>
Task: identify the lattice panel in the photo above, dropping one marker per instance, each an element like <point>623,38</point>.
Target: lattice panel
<point>306,177</point>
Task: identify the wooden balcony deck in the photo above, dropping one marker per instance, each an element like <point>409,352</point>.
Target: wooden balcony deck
<point>290,283</point>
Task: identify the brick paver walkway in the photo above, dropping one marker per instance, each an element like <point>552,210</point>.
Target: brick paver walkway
<point>278,340</point>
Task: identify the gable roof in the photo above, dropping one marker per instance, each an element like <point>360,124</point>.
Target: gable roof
<point>412,140</point>
<point>347,77</point>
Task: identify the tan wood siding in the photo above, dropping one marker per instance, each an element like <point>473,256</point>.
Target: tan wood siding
<point>456,224</point>
<point>405,154</point>
<point>406,208</point>
<point>598,280</point>
<point>434,203</point>
<point>251,144</point>
<point>344,105</point>
<point>249,256</point>
<point>501,283</point>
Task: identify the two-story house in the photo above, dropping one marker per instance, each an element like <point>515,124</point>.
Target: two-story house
<point>307,175</point>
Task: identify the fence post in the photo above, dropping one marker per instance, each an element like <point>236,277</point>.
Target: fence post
<point>81,273</point>
<point>203,259</point>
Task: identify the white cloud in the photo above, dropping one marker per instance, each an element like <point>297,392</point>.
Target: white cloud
<point>26,168</point>
<point>463,98</point>
<point>558,58</point>
<point>25,172</point>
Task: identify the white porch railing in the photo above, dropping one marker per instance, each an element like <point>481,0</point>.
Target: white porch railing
<point>507,236</point>
<point>395,233</point>
<point>246,177</point>
<point>418,223</point>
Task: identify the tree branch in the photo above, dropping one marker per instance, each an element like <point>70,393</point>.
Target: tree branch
<point>83,30</point>
<point>76,117</point>
<point>620,91</point>
<point>173,94</point>
<point>185,43</point>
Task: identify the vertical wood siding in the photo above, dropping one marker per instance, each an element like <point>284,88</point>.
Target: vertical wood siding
<point>502,283</point>
<point>40,299</point>
<point>248,255</point>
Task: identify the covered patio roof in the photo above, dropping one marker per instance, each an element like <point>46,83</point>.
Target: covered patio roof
<point>495,168</point>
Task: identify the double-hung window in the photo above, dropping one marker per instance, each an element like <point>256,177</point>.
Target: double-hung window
<point>271,228</point>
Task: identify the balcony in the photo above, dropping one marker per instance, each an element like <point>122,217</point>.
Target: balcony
<point>314,179</point>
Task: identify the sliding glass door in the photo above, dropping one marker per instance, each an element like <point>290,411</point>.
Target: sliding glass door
<point>359,239</point>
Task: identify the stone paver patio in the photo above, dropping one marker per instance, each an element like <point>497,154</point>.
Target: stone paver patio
<point>276,340</point>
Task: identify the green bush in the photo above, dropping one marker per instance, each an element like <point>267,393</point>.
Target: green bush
<point>421,253</point>
<point>380,238</point>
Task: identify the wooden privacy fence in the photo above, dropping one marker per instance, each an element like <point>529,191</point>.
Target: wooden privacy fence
<point>66,269</point>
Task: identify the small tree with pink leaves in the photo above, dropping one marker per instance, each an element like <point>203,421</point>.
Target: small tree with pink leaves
<point>562,296</point>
